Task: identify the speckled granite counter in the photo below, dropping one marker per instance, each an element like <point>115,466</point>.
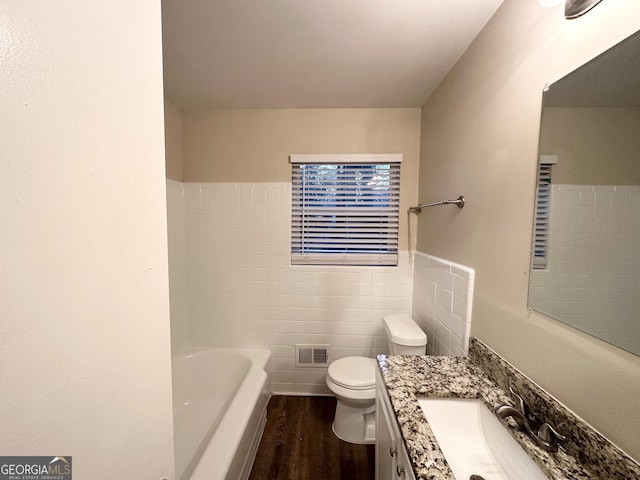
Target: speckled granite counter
<point>485,375</point>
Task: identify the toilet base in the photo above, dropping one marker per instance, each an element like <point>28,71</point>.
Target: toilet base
<point>355,424</point>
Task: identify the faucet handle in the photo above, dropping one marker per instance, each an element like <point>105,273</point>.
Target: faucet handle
<point>524,409</point>
<point>520,405</point>
<point>550,435</point>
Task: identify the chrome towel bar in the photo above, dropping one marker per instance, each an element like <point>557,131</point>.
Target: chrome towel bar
<point>459,202</point>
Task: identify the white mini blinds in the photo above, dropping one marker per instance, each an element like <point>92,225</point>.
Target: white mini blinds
<point>543,212</point>
<point>344,209</point>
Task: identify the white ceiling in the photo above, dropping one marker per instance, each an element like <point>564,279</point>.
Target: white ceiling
<point>314,53</point>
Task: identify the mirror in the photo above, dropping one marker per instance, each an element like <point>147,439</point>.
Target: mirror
<point>585,268</point>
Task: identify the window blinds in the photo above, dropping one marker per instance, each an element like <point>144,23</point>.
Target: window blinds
<point>543,210</point>
<point>345,213</point>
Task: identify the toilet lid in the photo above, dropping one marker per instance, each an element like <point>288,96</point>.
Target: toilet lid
<point>356,373</point>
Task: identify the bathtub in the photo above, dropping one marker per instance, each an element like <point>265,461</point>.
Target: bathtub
<point>219,411</point>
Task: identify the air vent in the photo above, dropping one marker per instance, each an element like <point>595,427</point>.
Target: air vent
<point>312,355</point>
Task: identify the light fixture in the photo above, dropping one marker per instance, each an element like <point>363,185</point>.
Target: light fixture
<point>575,8</point>
<point>572,8</point>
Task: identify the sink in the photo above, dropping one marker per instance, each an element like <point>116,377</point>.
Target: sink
<point>474,442</point>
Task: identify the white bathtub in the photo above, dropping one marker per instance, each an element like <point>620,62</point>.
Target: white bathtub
<point>219,411</point>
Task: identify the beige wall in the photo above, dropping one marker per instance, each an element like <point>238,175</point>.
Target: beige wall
<point>172,140</point>
<point>254,145</point>
<point>480,139</point>
<point>595,146</point>
<point>84,324</point>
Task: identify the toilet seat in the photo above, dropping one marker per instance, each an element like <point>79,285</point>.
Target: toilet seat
<point>353,373</point>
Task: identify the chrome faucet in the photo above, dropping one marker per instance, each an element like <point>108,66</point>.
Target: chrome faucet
<point>543,434</point>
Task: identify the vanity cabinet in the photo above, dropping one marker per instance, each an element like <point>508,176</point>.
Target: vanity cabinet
<point>392,461</point>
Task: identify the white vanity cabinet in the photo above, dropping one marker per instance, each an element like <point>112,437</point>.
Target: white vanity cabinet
<point>392,461</point>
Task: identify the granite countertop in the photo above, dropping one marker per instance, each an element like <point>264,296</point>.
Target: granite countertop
<point>409,377</point>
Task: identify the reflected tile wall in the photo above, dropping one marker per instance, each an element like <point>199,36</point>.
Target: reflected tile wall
<point>593,268</point>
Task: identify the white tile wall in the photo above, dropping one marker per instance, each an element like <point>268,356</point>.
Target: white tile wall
<point>242,290</point>
<point>442,303</point>
<point>594,260</point>
<point>230,273</point>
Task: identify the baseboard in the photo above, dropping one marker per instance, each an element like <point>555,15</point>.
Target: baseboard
<point>302,394</point>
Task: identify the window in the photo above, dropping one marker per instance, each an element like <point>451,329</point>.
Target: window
<point>344,209</point>
<point>542,213</point>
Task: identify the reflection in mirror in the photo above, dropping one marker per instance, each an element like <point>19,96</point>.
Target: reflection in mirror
<point>585,268</point>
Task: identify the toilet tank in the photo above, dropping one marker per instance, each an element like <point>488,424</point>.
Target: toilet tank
<point>404,336</point>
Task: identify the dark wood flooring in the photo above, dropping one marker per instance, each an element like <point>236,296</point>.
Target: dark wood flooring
<point>298,444</point>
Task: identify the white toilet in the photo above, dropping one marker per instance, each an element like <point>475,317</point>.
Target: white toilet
<point>353,380</point>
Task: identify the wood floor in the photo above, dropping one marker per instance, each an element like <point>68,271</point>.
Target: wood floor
<point>298,444</point>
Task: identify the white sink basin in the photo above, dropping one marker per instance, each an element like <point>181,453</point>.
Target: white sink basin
<point>474,442</point>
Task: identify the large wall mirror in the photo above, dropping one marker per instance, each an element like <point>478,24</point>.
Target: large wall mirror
<point>585,268</point>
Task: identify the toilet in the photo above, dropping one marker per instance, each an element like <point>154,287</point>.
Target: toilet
<point>353,380</point>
